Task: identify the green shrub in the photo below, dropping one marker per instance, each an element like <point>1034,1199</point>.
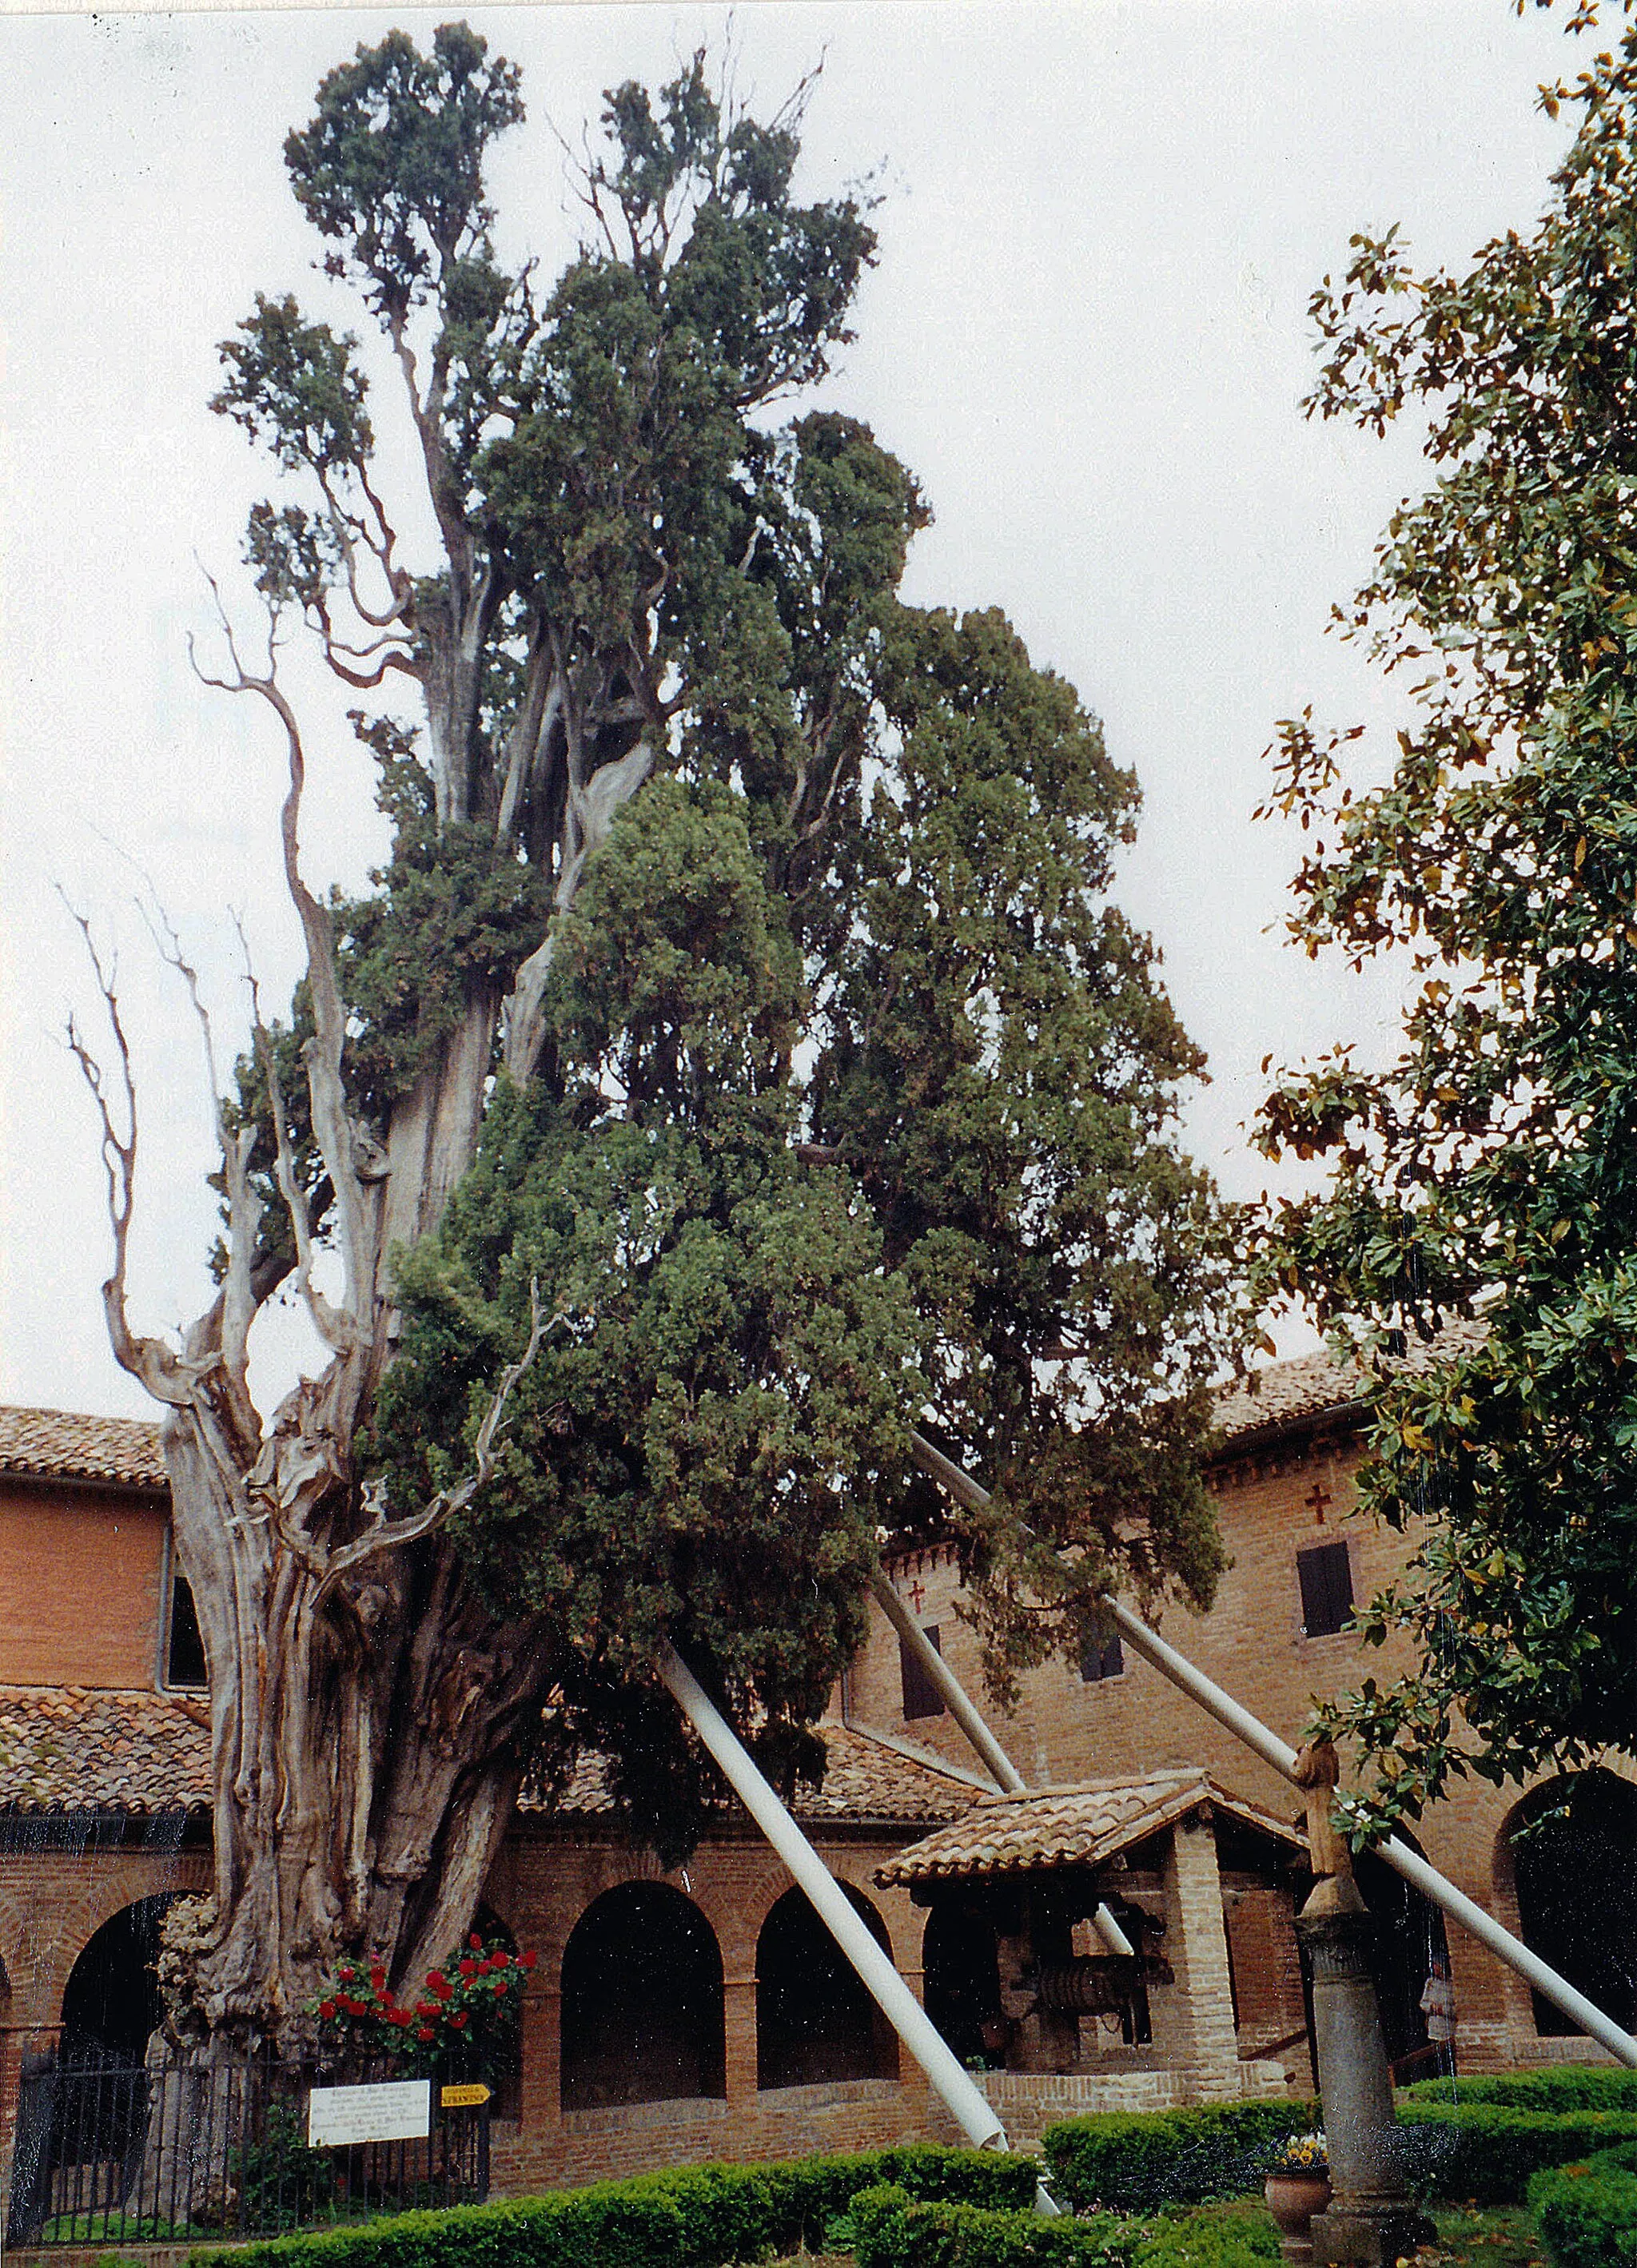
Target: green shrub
<point>1587,2213</point>
<point>696,2217</point>
<point>1479,2151</point>
<point>1237,2235</point>
<point>891,2229</point>
<point>1558,2087</point>
<point>1132,2162</point>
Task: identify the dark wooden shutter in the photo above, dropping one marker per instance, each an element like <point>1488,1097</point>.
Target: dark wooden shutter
<point>1104,1660</point>
<point>1326,1580</point>
<point>921,1697</point>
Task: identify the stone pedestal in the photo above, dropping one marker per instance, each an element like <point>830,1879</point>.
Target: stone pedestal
<point>1370,2221</point>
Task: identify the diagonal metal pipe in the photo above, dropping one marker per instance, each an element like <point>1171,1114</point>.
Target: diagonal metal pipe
<point>970,2111</point>
<point>1238,1720</point>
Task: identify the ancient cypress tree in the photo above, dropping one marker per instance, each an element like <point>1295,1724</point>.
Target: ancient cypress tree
<point>737,1060</point>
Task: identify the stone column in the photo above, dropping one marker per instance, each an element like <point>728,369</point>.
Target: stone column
<point>1370,2222</point>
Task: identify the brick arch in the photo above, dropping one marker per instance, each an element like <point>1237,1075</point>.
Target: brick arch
<point>750,1916</point>
<point>816,2020</point>
<point>1573,1884</point>
<point>643,2010</point>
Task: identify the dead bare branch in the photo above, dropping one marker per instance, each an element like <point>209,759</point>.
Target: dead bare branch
<point>332,1126</point>
<point>332,1326</point>
<point>154,1365</point>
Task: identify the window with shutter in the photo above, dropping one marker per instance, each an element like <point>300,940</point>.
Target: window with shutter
<point>1104,1660</point>
<point>1326,1580</point>
<point>184,1652</point>
<point>921,1697</point>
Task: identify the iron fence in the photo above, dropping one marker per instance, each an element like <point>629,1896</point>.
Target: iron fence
<point>170,2151</point>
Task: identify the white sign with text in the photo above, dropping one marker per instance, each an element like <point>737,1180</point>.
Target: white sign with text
<point>391,2110</point>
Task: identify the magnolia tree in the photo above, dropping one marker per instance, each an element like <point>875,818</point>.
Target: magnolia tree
<point>737,1062</point>
<point>1484,1197</point>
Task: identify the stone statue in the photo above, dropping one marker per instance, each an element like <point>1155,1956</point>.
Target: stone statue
<point>1317,1772</point>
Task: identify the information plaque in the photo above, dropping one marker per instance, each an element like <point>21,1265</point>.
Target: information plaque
<point>390,2111</point>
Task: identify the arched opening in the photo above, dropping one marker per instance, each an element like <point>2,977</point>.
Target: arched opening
<point>111,2006</point>
<point>87,2119</point>
<point>962,1982</point>
<point>642,2000</point>
<point>1406,1936</point>
<point>815,2019</point>
<point>1574,1850</point>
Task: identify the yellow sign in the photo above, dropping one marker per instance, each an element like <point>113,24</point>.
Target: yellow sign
<point>465,2096</point>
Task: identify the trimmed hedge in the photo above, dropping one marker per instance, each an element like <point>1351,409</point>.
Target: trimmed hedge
<point>692,2217</point>
<point>1587,2213</point>
<point>1478,2148</point>
<point>1133,2162</point>
<point>1555,2086</point>
<point>1210,2236</point>
<point>891,2230</point>
<point>1478,2151</point>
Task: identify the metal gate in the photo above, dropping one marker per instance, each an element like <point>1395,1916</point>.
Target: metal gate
<point>169,2151</point>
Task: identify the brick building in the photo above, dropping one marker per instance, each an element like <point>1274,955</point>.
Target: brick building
<point>702,2012</point>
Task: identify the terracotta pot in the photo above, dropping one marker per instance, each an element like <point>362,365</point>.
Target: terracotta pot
<point>1292,2199</point>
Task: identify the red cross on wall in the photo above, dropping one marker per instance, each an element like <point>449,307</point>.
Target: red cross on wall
<point>1318,1497</point>
<point>918,1594</point>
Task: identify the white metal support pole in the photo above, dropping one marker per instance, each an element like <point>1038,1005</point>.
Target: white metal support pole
<point>1256,1735</point>
<point>962,1709</point>
<point>966,2105</point>
<point>946,1682</point>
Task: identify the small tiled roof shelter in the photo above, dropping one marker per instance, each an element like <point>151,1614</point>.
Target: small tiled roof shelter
<point>1091,1826</point>
<point>1014,1886</point>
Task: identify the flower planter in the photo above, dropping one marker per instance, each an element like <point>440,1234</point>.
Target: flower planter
<point>1292,2199</point>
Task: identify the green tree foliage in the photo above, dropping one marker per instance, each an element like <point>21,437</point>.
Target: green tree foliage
<point>742,995</point>
<point>1485,1180</point>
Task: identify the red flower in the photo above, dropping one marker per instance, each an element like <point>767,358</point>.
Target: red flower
<point>400,2017</point>
<point>468,1968</point>
<point>353,2008</point>
<point>425,2032</point>
<point>500,1984</point>
<point>529,1960</point>
<point>458,2022</point>
<point>345,1976</point>
<point>378,1975</point>
<point>435,1979</point>
<point>443,1988</point>
<point>326,2009</point>
<point>425,2008</point>
<point>476,1942</point>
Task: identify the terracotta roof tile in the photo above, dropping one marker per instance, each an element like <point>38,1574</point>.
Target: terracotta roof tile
<point>63,1748</point>
<point>1285,1393</point>
<point>59,1444</point>
<point>864,1779</point>
<point>67,1748</point>
<point>1081,1826</point>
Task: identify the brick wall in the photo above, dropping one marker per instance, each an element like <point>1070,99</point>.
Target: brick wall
<point>79,1585</point>
<point>1299,1492</point>
<point>547,1878</point>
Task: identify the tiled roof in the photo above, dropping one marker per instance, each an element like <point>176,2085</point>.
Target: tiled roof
<point>864,1780</point>
<point>64,1748</point>
<point>1285,1393</point>
<point>59,1444</point>
<point>1081,1826</point>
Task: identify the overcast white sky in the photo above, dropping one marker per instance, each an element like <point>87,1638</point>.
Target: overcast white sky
<point>1087,335</point>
